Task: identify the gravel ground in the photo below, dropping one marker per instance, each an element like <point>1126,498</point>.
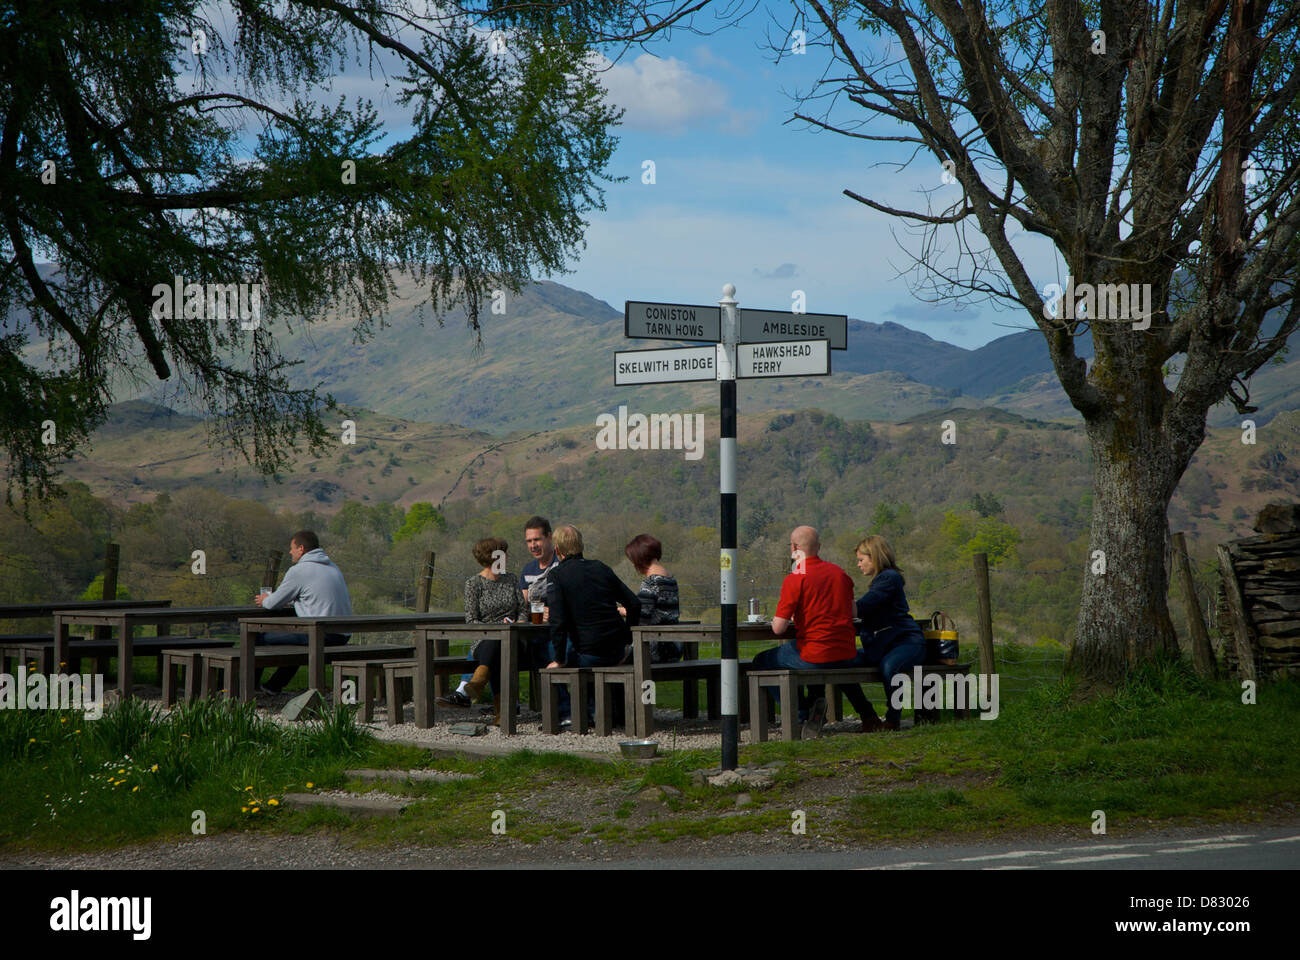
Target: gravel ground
<point>671,730</point>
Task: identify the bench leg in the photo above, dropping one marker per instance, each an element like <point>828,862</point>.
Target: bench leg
<point>394,701</point>
<point>578,695</point>
<point>690,699</point>
<point>168,674</point>
<point>757,712</point>
<point>193,665</point>
<point>834,703</point>
<point>550,709</point>
<point>604,709</point>
<point>789,707</point>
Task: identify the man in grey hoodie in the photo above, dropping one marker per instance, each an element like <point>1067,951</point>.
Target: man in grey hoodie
<point>315,587</point>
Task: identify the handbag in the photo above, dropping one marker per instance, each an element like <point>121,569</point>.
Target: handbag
<point>940,633</point>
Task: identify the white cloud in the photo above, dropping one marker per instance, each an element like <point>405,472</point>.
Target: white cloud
<point>663,95</point>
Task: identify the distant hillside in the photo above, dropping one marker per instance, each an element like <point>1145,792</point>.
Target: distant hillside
<point>547,362</point>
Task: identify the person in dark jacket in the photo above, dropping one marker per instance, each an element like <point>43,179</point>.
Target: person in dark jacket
<point>584,597</point>
<point>891,639</point>
<point>659,603</point>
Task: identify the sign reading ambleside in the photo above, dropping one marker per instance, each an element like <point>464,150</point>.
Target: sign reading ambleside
<point>796,358</point>
<point>673,365</point>
<point>768,326</point>
<point>671,321</point>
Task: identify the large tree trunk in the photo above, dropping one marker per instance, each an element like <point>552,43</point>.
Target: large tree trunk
<point>1123,615</point>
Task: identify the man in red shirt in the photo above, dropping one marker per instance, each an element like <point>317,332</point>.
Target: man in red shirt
<point>817,598</point>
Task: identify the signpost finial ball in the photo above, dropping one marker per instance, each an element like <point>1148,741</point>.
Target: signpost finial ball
<point>728,289</point>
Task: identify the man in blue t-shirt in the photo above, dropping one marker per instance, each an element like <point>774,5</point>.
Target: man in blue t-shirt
<point>538,539</point>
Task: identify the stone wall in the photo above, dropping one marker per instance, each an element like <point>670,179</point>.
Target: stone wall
<point>1267,569</point>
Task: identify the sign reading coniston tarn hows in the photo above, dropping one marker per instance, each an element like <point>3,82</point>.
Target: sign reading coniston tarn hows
<point>671,321</point>
<point>796,358</point>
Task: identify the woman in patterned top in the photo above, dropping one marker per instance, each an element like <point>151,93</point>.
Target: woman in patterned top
<point>491,596</point>
<point>658,593</point>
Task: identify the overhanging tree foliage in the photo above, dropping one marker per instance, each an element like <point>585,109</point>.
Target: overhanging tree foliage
<point>146,140</point>
<point>1157,147</point>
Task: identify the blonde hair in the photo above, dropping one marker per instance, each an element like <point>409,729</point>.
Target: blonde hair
<point>568,540</point>
<point>881,553</point>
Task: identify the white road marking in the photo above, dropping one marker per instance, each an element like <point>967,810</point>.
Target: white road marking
<point>906,865</point>
<point>1230,836</point>
<point>1013,855</point>
<point>1283,840</point>
<point>1106,856</point>
<point>1204,846</point>
<point>1015,866</point>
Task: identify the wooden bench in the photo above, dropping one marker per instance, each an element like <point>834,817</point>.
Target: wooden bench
<point>575,678</point>
<point>398,692</point>
<point>689,673</point>
<point>103,651</point>
<point>189,659</point>
<point>221,668</point>
<point>788,682</point>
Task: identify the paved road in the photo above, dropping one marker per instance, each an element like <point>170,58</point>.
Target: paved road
<point>1263,849</point>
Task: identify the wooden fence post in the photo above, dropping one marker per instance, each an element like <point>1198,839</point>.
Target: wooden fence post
<point>111,554</point>
<point>1202,654</point>
<point>1237,614</point>
<point>981,561</point>
<point>272,572</point>
<point>425,585</point>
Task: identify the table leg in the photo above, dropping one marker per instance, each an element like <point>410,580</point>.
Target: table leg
<point>125,661</point>
<point>423,692</point>
<point>644,721</point>
<point>316,657</point>
<point>62,648</point>
<point>757,712</point>
<point>509,692</point>
<point>441,647</point>
<point>247,663</point>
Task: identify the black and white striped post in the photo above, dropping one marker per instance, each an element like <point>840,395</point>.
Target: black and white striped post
<point>728,555</point>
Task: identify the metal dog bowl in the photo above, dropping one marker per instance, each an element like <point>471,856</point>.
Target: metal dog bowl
<point>638,749</point>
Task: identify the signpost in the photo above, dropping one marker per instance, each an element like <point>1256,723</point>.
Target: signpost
<point>745,343</point>
<point>769,326</point>
<point>670,321</point>
<point>673,365</point>
<point>796,358</point>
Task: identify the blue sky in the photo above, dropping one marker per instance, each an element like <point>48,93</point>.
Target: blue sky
<point>742,195</point>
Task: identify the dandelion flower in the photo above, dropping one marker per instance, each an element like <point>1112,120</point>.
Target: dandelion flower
<point>77,730</point>
<point>135,788</point>
<point>248,788</point>
<point>63,719</point>
<point>243,809</point>
<point>32,740</point>
<point>255,809</point>
<point>310,784</point>
<point>273,802</point>
<point>122,770</point>
<point>154,768</point>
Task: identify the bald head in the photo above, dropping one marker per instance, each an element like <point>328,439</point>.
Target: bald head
<point>805,539</point>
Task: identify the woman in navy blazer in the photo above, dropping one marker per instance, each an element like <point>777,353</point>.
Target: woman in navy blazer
<point>891,639</point>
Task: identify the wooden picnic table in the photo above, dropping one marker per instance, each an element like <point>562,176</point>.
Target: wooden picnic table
<point>251,626</point>
<point>125,620</point>
<point>46,608</point>
<point>691,635</point>
<point>434,641</point>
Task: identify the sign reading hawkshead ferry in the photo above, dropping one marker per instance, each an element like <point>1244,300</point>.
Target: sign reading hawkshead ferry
<point>796,358</point>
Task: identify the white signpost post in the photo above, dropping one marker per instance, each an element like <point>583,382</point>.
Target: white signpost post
<point>745,343</point>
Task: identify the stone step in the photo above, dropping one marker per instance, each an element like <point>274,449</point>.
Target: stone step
<point>418,776</point>
<point>367,805</point>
